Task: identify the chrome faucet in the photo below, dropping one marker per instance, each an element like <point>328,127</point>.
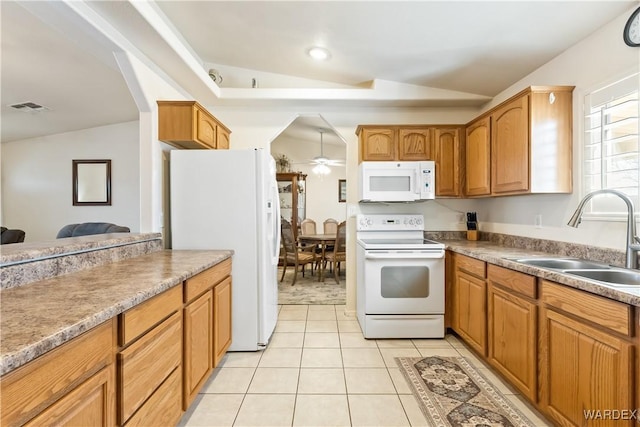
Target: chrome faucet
<point>633,246</point>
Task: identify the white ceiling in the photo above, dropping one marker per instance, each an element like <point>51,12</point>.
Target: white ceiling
<point>476,48</point>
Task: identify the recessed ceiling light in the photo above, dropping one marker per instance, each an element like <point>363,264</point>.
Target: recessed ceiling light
<point>319,53</point>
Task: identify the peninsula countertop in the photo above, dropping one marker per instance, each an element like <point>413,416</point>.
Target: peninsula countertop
<point>40,316</point>
<point>502,255</point>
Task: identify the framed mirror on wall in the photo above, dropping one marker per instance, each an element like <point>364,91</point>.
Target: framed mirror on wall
<point>91,182</point>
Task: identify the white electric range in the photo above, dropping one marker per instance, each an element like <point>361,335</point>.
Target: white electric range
<point>400,277</point>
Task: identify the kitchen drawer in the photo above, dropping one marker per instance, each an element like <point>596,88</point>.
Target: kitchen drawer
<point>32,387</point>
<point>513,280</point>
<point>145,364</point>
<point>472,266</point>
<point>145,316</point>
<point>196,285</point>
<point>164,407</point>
<point>606,313</point>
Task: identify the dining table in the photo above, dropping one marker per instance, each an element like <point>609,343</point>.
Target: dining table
<point>323,240</point>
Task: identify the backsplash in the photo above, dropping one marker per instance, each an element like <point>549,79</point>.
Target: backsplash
<point>553,247</point>
<point>26,263</point>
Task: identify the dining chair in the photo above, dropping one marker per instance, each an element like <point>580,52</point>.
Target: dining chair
<point>330,226</point>
<point>293,253</point>
<point>339,252</point>
<point>308,226</point>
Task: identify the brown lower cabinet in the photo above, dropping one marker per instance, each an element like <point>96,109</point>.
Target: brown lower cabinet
<point>471,302</point>
<point>512,327</point>
<point>572,354</point>
<point>586,357</point>
<point>141,368</point>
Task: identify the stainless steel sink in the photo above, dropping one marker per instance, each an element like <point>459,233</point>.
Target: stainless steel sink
<point>612,276</point>
<point>561,263</point>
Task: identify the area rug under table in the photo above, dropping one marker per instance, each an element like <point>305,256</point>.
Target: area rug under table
<point>451,392</point>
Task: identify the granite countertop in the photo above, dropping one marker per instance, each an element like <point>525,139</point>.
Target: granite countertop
<point>40,316</point>
<point>498,255</point>
<point>33,251</point>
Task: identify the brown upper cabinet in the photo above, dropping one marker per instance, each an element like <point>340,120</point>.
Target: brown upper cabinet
<point>447,144</point>
<point>530,149</point>
<point>389,143</point>
<point>441,143</point>
<point>478,158</point>
<point>187,124</point>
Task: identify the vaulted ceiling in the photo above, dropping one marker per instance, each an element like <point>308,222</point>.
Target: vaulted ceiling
<point>417,52</point>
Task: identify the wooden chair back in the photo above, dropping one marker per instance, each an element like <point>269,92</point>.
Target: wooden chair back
<point>330,226</point>
<point>308,226</point>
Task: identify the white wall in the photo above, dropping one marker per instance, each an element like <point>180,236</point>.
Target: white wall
<point>37,180</point>
<point>602,57</point>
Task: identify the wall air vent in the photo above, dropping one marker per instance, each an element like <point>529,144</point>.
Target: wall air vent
<point>29,107</point>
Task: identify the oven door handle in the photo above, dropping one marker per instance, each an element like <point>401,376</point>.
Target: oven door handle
<point>404,255</point>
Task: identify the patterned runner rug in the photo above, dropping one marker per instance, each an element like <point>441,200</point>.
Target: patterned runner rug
<point>451,392</point>
<point>308,290</point>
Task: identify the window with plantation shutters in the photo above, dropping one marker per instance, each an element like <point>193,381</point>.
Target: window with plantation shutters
<point>611,146</point>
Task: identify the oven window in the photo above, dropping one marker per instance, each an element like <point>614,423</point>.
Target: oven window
<point>389,183</point>
<point>405,282</point>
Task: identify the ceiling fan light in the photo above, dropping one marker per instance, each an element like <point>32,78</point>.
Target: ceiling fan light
<point>321,169</point>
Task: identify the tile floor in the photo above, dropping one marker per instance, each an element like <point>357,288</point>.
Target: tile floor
<point>318,370</point>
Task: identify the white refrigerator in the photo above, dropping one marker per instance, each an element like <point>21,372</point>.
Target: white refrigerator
<point>228,199</point>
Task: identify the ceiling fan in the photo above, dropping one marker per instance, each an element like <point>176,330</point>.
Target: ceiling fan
<point>321,162</point>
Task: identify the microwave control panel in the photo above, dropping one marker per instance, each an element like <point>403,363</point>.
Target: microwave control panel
<point>427,186</point>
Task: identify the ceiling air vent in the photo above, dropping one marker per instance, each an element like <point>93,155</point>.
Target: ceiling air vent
<point>29,107</point>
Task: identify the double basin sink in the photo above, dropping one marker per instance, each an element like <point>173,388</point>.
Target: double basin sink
<point>612,276</point>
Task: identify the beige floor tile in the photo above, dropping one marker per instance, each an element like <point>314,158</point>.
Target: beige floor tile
<point>343,314</point>
<point>321,358</point>
<point>212,410</point>
<point>471,357</point>
<point>446,352</point>
<point>281,358</point>
<point>286,339</point>
<point>294,307</point>
<point>432,343</point>
<point>274,381</point>
<point>368,381</point>
<point>322,307</point>
<point>395,343</point>
<point>290,326</point>
<point>523,406</point>
<point>413,411</point>
<point>241,359</point>
<point>454,340</point>
<point>362,358</point>
<point>498,383</point>
<point>266,410</point>
<point>376,410</point>
<point>349,326</point>
<point>322,326</point>
<point>292,315</point>
<point>356,340</point>
<point>388,354</point>
<point>229,380</point>
<point>399,381</point>
<point>321,340</point>
<point>321,381</point>
<point>321,315</point>
<point>321,410</point>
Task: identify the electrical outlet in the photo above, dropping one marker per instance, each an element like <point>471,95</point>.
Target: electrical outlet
<point>462,219</point>
<point>538,221</point>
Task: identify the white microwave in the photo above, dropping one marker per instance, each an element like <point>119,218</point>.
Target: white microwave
<point>396,181</point>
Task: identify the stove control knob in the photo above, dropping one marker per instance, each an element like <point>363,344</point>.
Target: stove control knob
<point>419,221</point>
<point>411,221</point>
